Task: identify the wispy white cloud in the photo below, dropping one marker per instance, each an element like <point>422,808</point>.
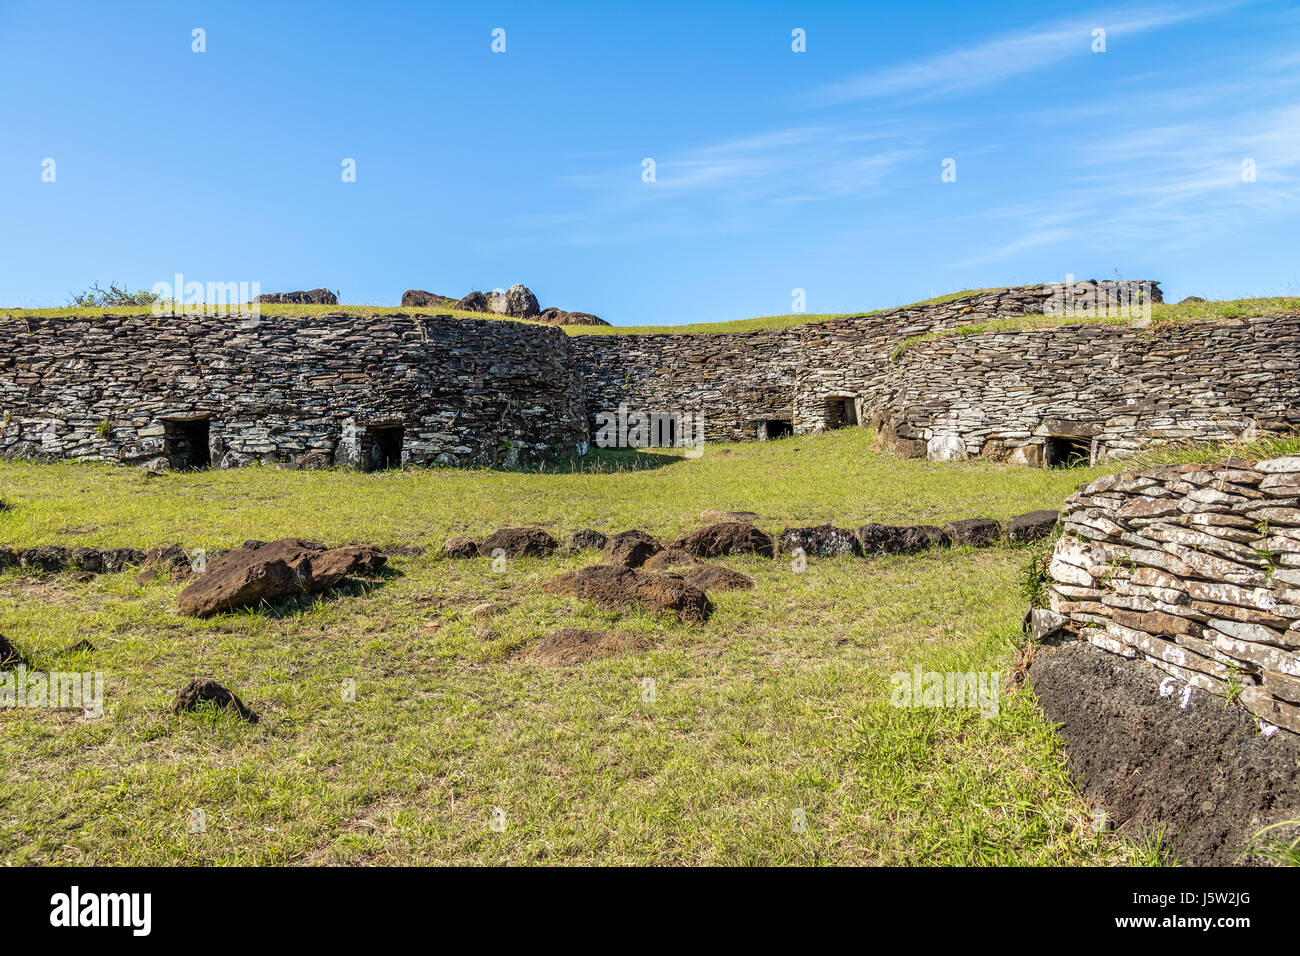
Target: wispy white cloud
<point>1001,57</point>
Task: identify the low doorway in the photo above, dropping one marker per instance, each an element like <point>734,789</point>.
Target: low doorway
<point>841,411</point>
<point>186,443</point>
<point>1065,452</point>
<point>778,428</point>
<point>381,447</point>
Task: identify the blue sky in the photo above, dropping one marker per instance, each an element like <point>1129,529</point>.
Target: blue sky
<point>774,170</point>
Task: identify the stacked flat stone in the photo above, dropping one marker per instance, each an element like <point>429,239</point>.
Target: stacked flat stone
<point>279,388</point>
<point>1193,568</point>
<point>800,374</point>
<point>1117,388</point>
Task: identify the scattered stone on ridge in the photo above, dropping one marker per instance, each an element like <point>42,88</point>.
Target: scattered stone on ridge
<point>554,316</point>
<point>474,302</point>
<point>312,297</point>
<point>419,299</point>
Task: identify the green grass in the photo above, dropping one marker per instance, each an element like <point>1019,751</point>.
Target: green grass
<point>1162,315</point>
<point>780,703</point>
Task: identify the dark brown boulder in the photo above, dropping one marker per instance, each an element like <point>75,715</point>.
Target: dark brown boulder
<point>332,565</point>
<point>630,549</point>
<point>460,547</point>
<point>518,543</point>
<point>419,299</point>
<point>1191,298</point>
<point>882,539</point>
<point>714,577</point>
<point>1032,526</point>
<point>474,302</point>
<point>727,537</point>
<point>571,646</point>
<point>47,558</point>
<point>612,588</point>
<point>586,538</point>
<point>248,576</point>
<point>976,532</point>
<point>823,541</point>
<point>205,690</point>
<point>554,316</point>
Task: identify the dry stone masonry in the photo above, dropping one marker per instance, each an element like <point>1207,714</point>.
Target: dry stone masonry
<point>1195,569</point>
<point>383,391</point>
<point>369,392</point>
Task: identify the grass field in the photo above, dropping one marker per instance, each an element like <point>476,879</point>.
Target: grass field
<point>777,710</point>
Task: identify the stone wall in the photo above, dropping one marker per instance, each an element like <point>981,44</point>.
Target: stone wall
<point>810,377</point>
<point>1195,569</point>
<point>361,391</point>
<point>1109,389</point>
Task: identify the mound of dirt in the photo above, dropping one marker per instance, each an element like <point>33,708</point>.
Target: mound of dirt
<point>574,646</point>
<point>1178,760</point>
<point>206,690</point>
<point>613,588</point>
<point>460,547</point>
<point>630,549</point>
<point>668,559</point>
<point>726,537</point>
<point>518,543</point>
<point>713,577</point>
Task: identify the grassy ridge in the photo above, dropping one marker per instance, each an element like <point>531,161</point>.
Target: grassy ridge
<point>779,704</point>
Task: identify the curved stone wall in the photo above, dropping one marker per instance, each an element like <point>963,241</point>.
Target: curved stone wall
<point>349,390</point>
<point>1107,389</point>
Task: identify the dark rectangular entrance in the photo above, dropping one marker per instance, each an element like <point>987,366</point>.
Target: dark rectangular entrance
<point>185,442</point>
<point>841,412</point>
<point>779,428</point>
<point>381,448</point>
<point>1063,452</point>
